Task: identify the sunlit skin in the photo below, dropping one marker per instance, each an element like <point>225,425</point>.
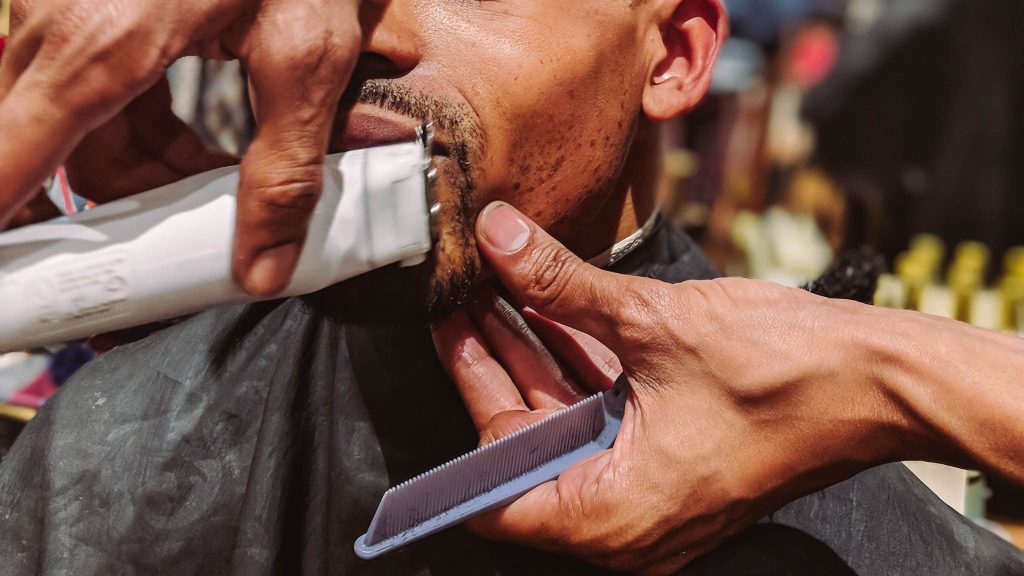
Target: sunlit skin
<point>82,83</point>
<point>745,395</point>
<point>551,105</point>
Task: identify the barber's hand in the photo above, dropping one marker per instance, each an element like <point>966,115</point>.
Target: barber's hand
<point>93,70</point>
<point>716,430</point>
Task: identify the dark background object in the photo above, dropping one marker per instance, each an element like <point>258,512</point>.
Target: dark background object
<point>772,550</point>
<point>922,121</point>
<point>9,430</point>
<point>853,276</point>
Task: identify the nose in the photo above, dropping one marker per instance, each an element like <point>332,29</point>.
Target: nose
<point>392,45</point>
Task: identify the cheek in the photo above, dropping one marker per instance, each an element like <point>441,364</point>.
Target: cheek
<point>565,126</point>
<point>569,144</point>
<point>556,88</point>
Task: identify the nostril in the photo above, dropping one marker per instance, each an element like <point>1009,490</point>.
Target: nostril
<point>372,65</point>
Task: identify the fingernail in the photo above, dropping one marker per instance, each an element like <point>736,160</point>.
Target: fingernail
<point>504,228</point>
<point>271,270</point>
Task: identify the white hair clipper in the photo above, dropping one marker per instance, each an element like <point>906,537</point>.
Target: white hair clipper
<point>167,252</point>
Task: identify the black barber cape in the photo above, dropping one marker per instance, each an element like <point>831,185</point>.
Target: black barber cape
<point>257,440</point>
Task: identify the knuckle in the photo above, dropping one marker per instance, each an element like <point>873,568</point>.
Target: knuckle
<point>321,58</point>
<point>343,42</point>
<point>699,301</point>
<point>282,183</point>
<point>107,52</point>
<point>323,51</point>
<point>306,55</point>
<point>642,312</point>
<point>550,271</point>
<point>298,195</point>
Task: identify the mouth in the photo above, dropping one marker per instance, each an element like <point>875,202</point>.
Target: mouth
<point>367,126</point>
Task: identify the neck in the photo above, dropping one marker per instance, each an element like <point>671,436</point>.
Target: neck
<point>632,198</point>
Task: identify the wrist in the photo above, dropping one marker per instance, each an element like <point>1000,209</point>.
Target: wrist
<point>853,397</point>
<point>835,414</point>
<point>956,387</point>
<point>881,342</point>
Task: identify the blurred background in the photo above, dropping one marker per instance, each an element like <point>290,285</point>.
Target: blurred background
<point>5,16</point>
<point>832,125</point>
<point>840,123</point>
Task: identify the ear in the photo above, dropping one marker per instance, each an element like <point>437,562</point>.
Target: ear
<point>684,48</point>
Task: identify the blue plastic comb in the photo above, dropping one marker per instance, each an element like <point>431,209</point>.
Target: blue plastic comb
<point>494,475</point>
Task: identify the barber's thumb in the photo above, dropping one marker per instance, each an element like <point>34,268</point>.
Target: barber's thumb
<point>543,274</point>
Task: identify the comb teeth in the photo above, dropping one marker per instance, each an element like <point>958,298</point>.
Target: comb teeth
<point>493,475</point>
<point>440,489</point>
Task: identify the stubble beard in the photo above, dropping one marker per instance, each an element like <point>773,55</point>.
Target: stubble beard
<point>431,290</point>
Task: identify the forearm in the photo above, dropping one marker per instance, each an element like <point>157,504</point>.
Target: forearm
<point>957,387</point>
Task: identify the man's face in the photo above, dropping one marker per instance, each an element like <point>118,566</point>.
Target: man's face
<point>534,102</point>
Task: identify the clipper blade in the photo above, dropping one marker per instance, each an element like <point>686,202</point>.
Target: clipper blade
<point>494,475</point>
<point>425,136</point>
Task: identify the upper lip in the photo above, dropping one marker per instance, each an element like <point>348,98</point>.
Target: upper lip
<point>366,126</point>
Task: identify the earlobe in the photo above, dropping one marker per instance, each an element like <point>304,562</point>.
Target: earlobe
<point>686,47</point>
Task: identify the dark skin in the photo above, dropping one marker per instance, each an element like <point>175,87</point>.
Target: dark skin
<point>82,82</point>
<point>550,98</point>
<point>553,105</point>
<point>745,395</point>
<point>559,92</point>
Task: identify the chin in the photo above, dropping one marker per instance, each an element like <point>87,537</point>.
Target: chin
<point>423,293</point>
<point>416,295</point>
